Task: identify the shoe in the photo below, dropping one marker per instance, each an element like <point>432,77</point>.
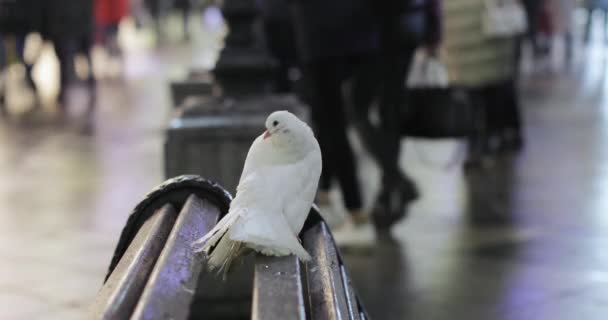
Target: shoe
<point>351,236</point>
<point>333,217</point>
<point>391,205</point>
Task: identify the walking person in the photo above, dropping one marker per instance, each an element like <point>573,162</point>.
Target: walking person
<point>485,65</point>
<point>404,26</point>
<point>592,6</point>
<point>108,15</point>
<point>69,25</point>
<point>18,18</point>
<point>337,40</point>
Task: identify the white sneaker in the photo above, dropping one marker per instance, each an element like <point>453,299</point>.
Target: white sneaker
<point>354,236</point>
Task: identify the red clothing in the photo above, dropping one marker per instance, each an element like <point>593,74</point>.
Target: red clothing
<point>110,12</point>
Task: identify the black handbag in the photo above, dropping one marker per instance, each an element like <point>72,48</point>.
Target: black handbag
<point>436,113</point>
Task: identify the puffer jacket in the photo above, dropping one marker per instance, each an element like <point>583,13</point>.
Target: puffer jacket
<point>472,59</point>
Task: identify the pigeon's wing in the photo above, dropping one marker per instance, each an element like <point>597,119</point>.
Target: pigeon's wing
<point>298,203</point>
<point>263,195</point>
<point>240,205</point>
<point>268,233</point>
<point>254,157</point>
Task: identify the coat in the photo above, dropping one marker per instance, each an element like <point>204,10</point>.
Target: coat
<point>335,28</point>
<point>110,12</point>
<point>68,18</point>
<point>19,17</point>
<point>472,59</point>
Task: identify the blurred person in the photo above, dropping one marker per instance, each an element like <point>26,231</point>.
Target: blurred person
<point>69,25</point>
<point>486,67</point>
<point>108,15</point>
<point>279,36</point>
<point>562,17</point>
<point>17,19</point>
<point>533,13</point>
<point>336,40</point>
<point>592,6</point>
<point>184,6</point>
<point>404,27</point>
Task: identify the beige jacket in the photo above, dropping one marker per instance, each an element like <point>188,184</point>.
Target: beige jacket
<point>473,59</point>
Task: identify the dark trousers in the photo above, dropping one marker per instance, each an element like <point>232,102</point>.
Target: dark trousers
<point>496,112</point>
<point>590,9</point>
<point>533,11</point>
<point>324,78</point>
<point>383,80</point>
<point>66,49</point>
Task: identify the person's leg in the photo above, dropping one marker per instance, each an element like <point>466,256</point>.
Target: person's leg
<point>605,12</point>
<point>383,141</point>
<point>185,8</point>
<point>28,66</point>
<point>478,138</point>
<point>85,43</point>
<point>3,108</point>
<point>587,33</point>
<point>512,134</point>
<point>65,49</point>
<point>532,14</point>
<point>329,119</point>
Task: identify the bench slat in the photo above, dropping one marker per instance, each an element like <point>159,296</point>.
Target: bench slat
<point>351,297</point>
<point>119,295</point>
<point>324,280</point>
<point>173,281</point>
<point>277,288</point>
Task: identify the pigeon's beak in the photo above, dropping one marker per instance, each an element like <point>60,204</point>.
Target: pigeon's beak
<point>267,134</point>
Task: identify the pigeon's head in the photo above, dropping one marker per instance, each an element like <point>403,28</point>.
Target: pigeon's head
<point>285,130</point>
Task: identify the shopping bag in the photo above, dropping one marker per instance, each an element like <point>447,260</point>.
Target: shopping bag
<point>431,108</point>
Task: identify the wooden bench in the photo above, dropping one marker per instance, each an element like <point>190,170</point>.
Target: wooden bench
<point>155,274</point>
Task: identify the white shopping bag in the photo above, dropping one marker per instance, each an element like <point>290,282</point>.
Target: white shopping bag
<point>427,72</point>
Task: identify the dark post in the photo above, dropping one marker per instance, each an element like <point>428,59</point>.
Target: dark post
<point>244,66</point>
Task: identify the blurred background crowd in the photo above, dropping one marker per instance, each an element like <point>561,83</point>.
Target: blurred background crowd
<point>351,62</point>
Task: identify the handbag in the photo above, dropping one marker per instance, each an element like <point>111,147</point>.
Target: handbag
<point>432,109</point>
<point>503,19</point>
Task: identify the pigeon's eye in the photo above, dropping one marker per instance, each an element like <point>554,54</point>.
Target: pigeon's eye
<point>275,123</point>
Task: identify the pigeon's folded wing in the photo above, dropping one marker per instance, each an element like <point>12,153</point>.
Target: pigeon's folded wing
<point>300,198</point>
<point>262,196</point>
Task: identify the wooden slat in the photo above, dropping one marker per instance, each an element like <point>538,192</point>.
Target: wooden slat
<point>173,281</point>
<point>326,292</point>
<point>278,290</point>
<point>119,295</point>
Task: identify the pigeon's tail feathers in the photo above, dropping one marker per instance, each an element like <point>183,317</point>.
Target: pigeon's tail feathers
<point>301,253</point>
<point>224,254</point>
<point>212,237</point>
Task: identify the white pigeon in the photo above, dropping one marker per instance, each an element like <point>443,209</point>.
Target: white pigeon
<point>275,193</point>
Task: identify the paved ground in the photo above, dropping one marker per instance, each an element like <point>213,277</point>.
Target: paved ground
<point>68,183</point>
